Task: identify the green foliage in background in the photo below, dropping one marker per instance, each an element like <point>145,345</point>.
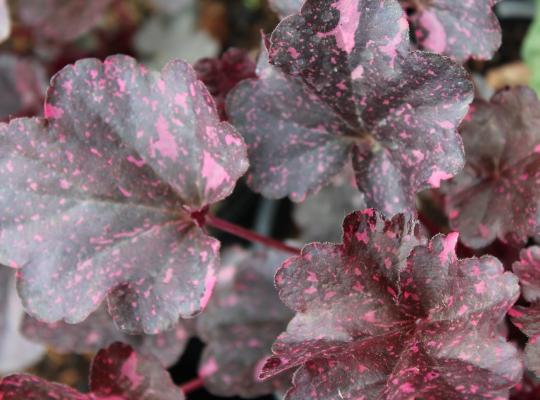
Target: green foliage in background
<point>531,50</point>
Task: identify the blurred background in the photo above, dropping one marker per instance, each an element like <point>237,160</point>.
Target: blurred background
<point>48,34</point>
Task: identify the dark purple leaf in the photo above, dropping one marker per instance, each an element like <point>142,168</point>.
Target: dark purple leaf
<point>22,84</point>
<point>16,352</point>
<point>458,29</point>
<point>96,198</point>
<point>285,7</point>
<point>528,318</point>
<point>241,322</point>
<point>360,91</point>
<point>60,20</point>
<point>98,331</point>
<point>528,271</point>
<point>497,193</point>
<point>378,320</point>
<point>279,118</point>
<point>220,75</point>
<point>118,373</point>
<point>28,387</point>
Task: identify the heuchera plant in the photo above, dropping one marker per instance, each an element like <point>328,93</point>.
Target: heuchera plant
<point>108,202</point>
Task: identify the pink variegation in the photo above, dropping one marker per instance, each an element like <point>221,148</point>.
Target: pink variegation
<point>117,373</point>
<point>385,316</point>
<point>527,319</point>
<point>358,91</point>
<point>496,196</point>
<point>458,29</point>
<point>221,75</point>
<point>97,197</point>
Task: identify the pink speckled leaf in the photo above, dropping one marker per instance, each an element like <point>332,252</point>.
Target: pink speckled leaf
<point>117,373</point>
<point>359,90</point>
<point>528,318</point>
<point>528,271</point>
<point>98,331</point>
<point>23,84</point>
<point>385,316</point>
<point>220,75</point>
<point>285,8</point>
<point>497,193</point>
<point>60,20</point>
<point>458,29</point>
<point>96,198</point>
<point>241,322</point>
<point>290,134</point>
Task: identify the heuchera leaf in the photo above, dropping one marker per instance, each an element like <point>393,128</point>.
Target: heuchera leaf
<point>98,331</point>
<point>458,29</point>
<point>16,352</point>
<point>285,7</point>
<point>60,20</point>
<point>220,75</point>
<point>117,373</point>
<point>528,318</point>
<point>241,322</point>
<point>360,91</point>
<point>497,193</point>
<point>23,84</point>
<point>375,320</point>
<point>96,198</point>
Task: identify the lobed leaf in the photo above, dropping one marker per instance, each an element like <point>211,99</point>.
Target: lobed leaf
<point>461,30</point>
<point>358,92</point>
<point>99,331</point>
<point>496,194</point>
<point>384,315</point>
<point>117,373</point>
<point>97,196</point>
<point>240,324</point>
<point>527,319</point>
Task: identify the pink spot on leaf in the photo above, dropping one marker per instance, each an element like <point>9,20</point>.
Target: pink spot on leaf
<point>438,176</point>
<point>213,172</point>
<point>166,143</point>
<point>53,112</point>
